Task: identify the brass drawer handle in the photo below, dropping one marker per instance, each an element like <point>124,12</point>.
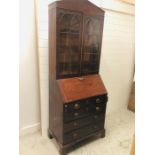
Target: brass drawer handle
<point>97,108</point>
<point>75,124</point>
<point>76,114</point>
<point>66,108</point>
<point>98,100</point>
<point>76,106</point>
<point>75,135</point>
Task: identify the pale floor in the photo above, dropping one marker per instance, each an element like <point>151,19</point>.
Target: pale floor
<point>119,133</point>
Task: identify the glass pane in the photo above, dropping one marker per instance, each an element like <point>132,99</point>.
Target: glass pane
<point>90,58</point>
<point>92,44</point>
<point>69,32</point>
<point>90,68</point>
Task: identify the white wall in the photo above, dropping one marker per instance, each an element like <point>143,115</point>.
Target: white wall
<point>115,5</point>
<point>29,77</point>
<point>117,59</point>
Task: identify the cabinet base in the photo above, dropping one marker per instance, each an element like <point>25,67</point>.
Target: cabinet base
<point>64,149</point>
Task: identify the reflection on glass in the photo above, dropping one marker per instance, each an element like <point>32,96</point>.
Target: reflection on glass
<point>69,43</point>
<point>91,49</point>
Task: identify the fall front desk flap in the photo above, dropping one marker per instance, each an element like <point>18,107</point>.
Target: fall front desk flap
<point>78,88</point>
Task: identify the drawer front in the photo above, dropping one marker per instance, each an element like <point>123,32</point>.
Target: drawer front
<point>70,116</point>
<point>99,99</point>
<point>83,122</point>
<point>80,133</point>
<point>83,108</point>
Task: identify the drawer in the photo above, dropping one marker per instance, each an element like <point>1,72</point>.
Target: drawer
<point>70,116</point>
<point>78,105</point>
<point>74,106</point>
<point>83,108</point>
<point>99,99</point>
<point>95,108</point>
<point>75,110</point>
<point>83,122</point>
<point>85,112</point>
<point>80,133</point>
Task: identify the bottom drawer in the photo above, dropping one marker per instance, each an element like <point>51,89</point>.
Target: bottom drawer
<point>79,123</point>
<point>77,134</point>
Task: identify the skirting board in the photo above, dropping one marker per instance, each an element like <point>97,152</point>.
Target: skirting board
<point>29,129</point>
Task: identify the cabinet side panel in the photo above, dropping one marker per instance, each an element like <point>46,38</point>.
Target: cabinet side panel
<point>55,104</point>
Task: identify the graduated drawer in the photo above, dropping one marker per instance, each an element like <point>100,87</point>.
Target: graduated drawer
<point>78,105</point>
<point>83,122</point>
<point>82,132</point>
<point>83,108</point>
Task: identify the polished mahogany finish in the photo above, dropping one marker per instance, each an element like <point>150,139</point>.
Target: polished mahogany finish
<point>77,95</point>
<point>86,86</point>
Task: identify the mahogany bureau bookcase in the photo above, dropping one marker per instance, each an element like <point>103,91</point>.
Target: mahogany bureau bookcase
<point>77,95</point>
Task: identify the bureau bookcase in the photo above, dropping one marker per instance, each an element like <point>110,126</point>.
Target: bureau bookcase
<point>77,95</point>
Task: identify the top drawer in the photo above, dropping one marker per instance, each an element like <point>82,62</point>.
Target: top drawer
<point>98,99</point>
<point>77,105</point>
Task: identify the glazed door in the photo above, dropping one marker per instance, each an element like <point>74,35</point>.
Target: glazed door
<point>69,28</point>
<point>92,40</point>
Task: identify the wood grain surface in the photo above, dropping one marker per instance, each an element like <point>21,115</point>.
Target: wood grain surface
<point>73,89</point>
